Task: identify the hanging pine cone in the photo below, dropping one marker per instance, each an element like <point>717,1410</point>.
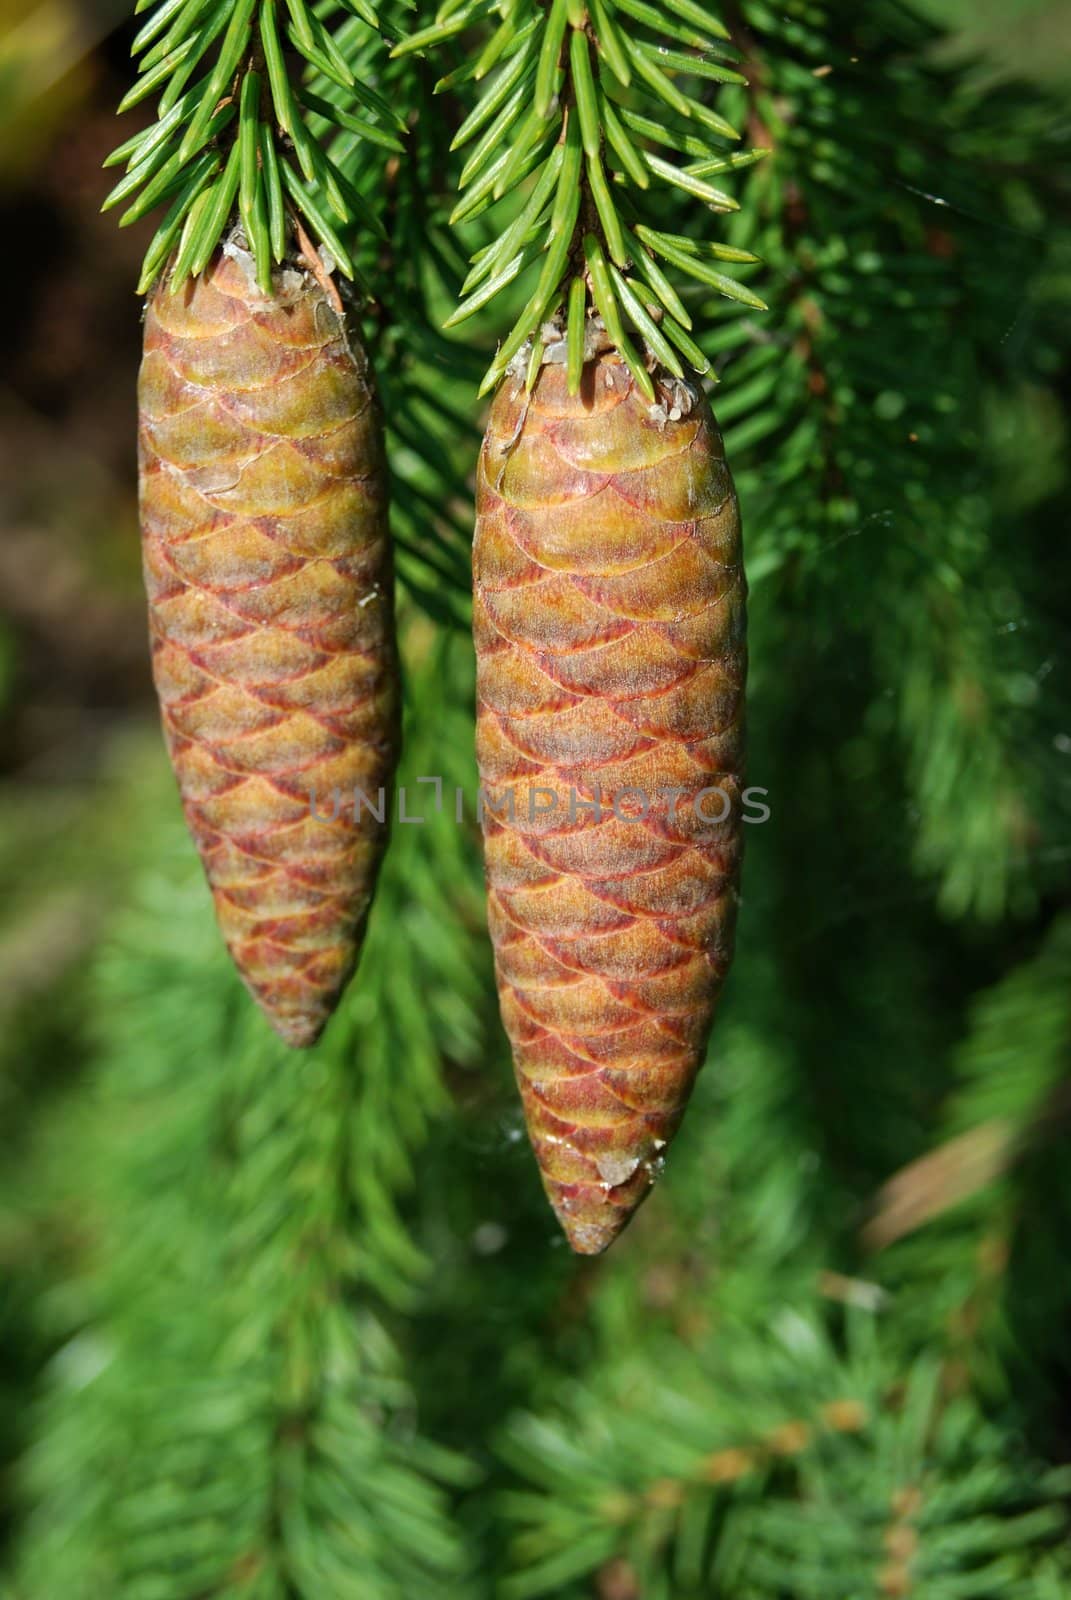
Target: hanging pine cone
<point>264,522</point>
<point>609,622</point>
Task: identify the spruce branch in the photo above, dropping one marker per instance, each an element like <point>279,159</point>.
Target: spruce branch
<point>773,1463</point>
<point>261,136</point>
<point>854,425</point>
<point>581,94</point>
<point>994,1183</point>
<point>228,1415</point>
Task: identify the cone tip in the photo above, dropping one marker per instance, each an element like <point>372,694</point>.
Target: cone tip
<point>592,1220</point>
<point>297,1012</point>
<point>299,1032</point>
<point>591,1238</point>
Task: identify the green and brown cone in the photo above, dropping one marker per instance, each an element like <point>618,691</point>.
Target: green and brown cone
<point>264,522</point>
<point>610,637</point>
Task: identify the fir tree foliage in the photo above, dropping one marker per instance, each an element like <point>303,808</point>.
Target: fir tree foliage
<point>237,130</point>
<point>783,1464</point>
<point>585,101</point>
<point>232,1418</point>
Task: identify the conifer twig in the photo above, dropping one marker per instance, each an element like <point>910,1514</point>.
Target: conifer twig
<point>563,102</point>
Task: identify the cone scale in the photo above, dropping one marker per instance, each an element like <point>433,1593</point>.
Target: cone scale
<point>264,534</point>
<point>610,636</point>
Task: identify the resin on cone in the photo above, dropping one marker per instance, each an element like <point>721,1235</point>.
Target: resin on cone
<point>264,526</point>
<point>610,638</point>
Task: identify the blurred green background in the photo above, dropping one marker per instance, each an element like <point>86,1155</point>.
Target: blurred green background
<point>288,1327</point>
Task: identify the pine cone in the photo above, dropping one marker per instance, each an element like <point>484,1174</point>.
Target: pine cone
<point>609,621</point>
<point>264,522</point>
